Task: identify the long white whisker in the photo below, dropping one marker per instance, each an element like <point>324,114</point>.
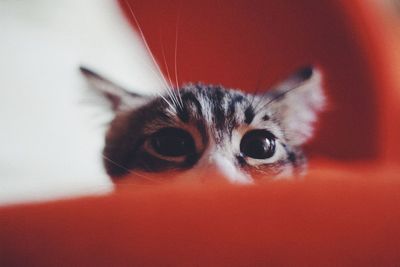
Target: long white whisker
<point>172,95</point>
<point>165,62</point>
<point>175,60</point>
<point>163,80</point>
<point>145,41</point>
<point>168,74</point>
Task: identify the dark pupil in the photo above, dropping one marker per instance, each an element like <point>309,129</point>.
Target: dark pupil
<point>173,142</point>
<point>258,144</point>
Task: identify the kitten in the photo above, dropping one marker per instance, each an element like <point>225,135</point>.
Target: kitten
<point>244,137</point>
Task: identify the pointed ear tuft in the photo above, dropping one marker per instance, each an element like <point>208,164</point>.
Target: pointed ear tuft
<point>118,97</point>
<point>294,80</point>
<point>297,101</point>
<point>305,73</point>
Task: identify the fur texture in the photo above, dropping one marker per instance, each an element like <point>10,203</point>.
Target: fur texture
<point>245,137</point>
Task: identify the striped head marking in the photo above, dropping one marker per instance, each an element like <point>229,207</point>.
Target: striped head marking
<point>243,137</point>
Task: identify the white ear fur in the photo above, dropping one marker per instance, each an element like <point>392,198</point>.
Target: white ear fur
<point>119,98</point>
<point>300,99</point>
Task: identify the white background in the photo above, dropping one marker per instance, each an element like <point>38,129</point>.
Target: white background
<point>50,136</point>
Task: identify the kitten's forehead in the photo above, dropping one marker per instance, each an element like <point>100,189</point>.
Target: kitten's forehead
<point>221,111</point>
<point>221,108</point>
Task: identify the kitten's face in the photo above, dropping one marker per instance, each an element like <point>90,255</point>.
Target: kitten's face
<point>243,137</point>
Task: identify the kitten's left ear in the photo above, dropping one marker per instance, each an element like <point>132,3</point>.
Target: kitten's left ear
<point>297,102</point>
<point>119,98</point>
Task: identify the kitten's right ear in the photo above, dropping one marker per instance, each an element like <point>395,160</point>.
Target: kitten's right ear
<point>297,102</point>
<point>119,98</point>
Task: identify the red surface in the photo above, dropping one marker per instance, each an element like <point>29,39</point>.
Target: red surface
<point>340,215</point>
<point>342,219</point>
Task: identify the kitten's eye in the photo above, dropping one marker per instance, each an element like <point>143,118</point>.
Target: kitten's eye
<point>258,144</point>
<point>172,142</point>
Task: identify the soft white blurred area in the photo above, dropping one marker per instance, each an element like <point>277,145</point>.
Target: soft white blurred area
<point>50,137</point>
